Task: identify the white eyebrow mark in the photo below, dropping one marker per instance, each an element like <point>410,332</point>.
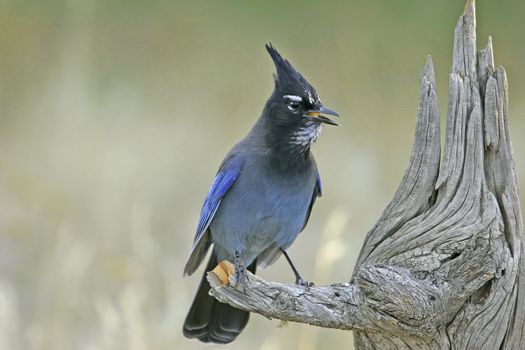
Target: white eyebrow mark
<point>293,98</point>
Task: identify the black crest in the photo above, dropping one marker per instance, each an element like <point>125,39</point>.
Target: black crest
<point>287,78</point>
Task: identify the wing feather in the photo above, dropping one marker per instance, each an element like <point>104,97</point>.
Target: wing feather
<point>318,192</point>
<point>225,178</point>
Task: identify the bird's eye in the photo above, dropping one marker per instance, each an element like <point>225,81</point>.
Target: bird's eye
<point>293,105</point>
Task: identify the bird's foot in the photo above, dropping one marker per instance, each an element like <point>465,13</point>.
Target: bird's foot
<point>239,278</point>
<point>302,282</point>
<point>298,279</point>
<point>223,271</point>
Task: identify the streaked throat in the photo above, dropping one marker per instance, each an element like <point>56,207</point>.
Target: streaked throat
<point>303,138</point>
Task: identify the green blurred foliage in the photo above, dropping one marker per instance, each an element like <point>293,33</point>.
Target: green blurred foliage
<point>116,114</point>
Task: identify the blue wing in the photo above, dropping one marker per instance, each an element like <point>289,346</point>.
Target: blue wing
<point>318,186</point>
<point>226,176</point>
<point>318,192</point>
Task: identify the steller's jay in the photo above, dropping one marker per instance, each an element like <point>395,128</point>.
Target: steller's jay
<point>260,200</point>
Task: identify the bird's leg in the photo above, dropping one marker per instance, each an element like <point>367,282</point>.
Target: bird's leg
<point>298,279</point>
<point>240,272</point>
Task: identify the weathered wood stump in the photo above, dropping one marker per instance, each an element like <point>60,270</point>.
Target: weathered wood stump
<point>442,268</point>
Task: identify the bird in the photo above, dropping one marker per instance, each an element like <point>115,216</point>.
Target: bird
<point>260,200</point>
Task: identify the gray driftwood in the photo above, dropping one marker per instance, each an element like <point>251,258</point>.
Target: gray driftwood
<point>442,268</point>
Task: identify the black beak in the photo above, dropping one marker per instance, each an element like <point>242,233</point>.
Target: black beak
<point>317,115</point>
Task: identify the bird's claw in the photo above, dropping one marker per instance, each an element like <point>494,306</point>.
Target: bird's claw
<point>240,278</point>
<point>302,282</point>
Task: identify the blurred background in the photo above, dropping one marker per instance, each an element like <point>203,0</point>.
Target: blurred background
<point>116,114</point>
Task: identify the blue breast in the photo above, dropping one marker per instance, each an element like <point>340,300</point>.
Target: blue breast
<point>261,209</point>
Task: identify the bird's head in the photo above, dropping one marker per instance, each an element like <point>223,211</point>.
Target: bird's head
<point>295,107</point>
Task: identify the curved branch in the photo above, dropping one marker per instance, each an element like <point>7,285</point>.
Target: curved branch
<point>335,306</point>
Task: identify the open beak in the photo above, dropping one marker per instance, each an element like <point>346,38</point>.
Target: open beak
<point>317,115</point>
